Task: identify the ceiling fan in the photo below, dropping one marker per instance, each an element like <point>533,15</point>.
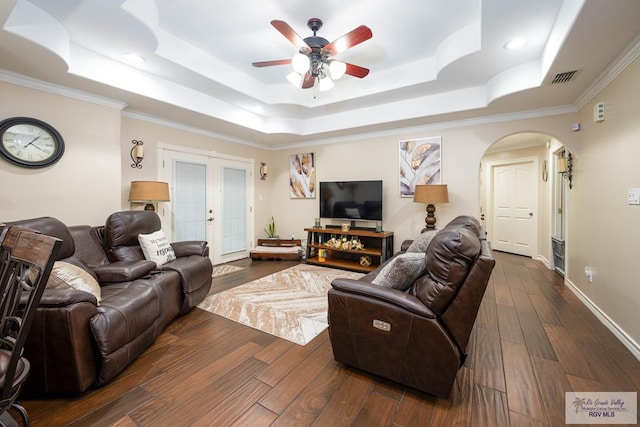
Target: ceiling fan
<point>314,58</point>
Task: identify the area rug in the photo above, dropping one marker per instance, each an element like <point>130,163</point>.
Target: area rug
<point>290,304</point>
<point>221,270</point>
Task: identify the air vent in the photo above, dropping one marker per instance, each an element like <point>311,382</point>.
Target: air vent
<point>564,77</point>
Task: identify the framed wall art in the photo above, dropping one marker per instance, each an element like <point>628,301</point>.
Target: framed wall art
<point>419,163</point>
<point>302,176</point>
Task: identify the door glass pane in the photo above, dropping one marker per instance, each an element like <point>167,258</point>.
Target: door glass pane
<point>234,210</point>
<point>190,201</point>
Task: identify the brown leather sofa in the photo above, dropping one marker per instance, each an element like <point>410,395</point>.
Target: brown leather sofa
<point>417,337</point>
<point>75,343</point>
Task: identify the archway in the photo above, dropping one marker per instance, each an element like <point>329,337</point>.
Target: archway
<point>522,197</point>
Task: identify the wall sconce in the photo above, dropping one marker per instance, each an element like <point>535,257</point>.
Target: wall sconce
<point>149,192</point>
<point>565,167</point>
<point>137,154</point>
<point>263,171</point>
<point>431,194</point>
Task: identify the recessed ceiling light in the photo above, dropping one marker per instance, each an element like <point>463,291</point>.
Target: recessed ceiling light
<point>516,43</point>
<point>134,58</point>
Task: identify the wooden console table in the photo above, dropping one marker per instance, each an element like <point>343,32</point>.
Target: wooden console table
<point>378,246</point>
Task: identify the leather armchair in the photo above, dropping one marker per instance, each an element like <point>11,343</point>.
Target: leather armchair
<point>419,337</point>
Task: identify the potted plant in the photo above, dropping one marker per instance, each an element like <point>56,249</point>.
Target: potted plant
<point>271,230</point>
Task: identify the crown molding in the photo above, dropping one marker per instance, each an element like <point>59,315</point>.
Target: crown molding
<point>475,121</point>
<point>14,78</point>
<point>31,83</point>
<point>622,61</point>
<point>175,125</point>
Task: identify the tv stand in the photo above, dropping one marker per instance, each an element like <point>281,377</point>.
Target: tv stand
<point>378,247</point>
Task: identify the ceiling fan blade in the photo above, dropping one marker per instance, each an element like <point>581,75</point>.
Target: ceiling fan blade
<point>270,63</point>
<point>356,70</point>
<point>290,34</point>
<point>352,38</point>
<point>308,81</point>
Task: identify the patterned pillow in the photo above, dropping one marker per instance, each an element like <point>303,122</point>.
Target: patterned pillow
<point>65,275</point>
<point>401,271</point>
<point>421,243</point>
<point>156,247</point>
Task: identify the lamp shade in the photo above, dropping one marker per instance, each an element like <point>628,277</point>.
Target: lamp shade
<point>149,191</point>
<point>435,193</point>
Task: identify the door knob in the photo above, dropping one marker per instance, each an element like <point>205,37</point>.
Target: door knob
<point>210,219</point>
<point>531,214</point>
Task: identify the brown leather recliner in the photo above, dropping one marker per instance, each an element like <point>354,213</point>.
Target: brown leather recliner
<point>121,232</point>
<point>419,337</point>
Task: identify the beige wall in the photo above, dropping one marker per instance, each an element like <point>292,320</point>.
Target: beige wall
<point>83,187</point>
<point>603,231</point>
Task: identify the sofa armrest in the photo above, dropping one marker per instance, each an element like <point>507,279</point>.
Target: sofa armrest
<point>405,245</point>
<point>123,271</point>
<point>192,247</point>
<point>382,293</point>
<point>59,345</point>
<point>52,298</point>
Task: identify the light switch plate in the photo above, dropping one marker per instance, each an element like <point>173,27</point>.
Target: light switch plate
<point>633,196</point>
<point>598,112</point>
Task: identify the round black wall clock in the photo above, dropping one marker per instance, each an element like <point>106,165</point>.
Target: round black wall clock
<point>30,142</point>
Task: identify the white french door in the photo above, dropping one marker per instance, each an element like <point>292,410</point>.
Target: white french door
<point>235,210</point>
<point>210,200</point>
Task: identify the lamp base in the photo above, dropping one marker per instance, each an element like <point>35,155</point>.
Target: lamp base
<point>150,207</point>
<point>430,220</point>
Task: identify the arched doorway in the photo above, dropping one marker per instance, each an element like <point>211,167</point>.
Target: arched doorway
<point>523,203</point>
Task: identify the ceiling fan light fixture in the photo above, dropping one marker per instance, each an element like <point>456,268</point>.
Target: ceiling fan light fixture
<point>326,84</point>
<point>295,79</point>
<point>337,69</point>
<point>300,63</point>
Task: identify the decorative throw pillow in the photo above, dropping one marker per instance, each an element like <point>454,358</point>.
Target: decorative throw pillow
<point>401,271</point>
<point>65,275</point>
<point>421,243</point>
<point>156,247</point>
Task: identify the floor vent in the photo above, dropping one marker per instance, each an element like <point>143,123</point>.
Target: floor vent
<point>564,77</point>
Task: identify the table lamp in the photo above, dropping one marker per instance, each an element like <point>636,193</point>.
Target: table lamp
<point>149,192</point>
<point>431,194</point>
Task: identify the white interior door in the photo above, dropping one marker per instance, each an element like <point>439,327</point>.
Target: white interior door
<point>514,208</point>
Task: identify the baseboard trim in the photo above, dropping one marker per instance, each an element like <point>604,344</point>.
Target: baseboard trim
<point>543,260</point>
<point>618,332</point>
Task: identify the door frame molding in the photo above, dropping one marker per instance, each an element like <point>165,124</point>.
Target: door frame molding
<point>489,196</point>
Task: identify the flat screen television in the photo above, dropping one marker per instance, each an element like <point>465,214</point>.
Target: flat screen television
<point>353,200</point>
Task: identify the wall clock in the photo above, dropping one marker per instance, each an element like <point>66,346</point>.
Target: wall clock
<point>30,142</point>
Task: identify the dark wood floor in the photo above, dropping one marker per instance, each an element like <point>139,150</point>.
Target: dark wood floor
<point>533,340</point>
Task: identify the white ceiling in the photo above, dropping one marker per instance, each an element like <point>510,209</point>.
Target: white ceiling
<point>430,60</point>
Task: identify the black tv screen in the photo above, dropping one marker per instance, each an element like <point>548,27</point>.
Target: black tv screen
<point>354,200</point>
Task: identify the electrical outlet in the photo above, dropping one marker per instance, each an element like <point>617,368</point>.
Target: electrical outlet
<point>589,273</point>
